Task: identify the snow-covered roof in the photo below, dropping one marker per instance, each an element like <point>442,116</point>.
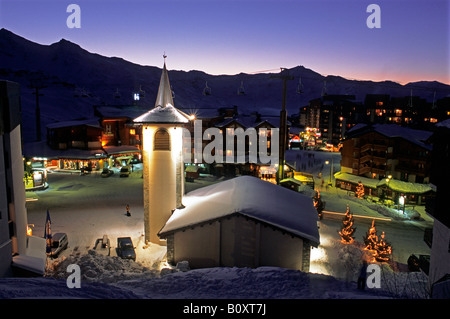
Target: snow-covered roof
<point>393,184</point>
<point>121,149</point>
<point>355,179</point>
<point>167,114</point>
<point>42,149</point>
<point>248,121</point>
<point>417,137</point>
<point>252,197</point>
<point>89,122</point>
<point>164,111</point>
<point>406,187</point>
<point>445,123</point>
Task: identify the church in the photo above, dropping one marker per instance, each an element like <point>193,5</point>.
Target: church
<point>243,222</point>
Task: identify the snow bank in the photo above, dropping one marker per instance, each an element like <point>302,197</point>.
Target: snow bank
<point>246,283</point>
<point>50,288</point>
<point>99,268</point>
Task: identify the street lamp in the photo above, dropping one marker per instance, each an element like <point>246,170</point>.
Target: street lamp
<point>331,168</point>
<point>401,201</point>
<point>388,179</point>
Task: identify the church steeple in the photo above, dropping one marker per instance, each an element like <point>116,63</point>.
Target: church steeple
<point>164,110</point>
<point>164,96</point>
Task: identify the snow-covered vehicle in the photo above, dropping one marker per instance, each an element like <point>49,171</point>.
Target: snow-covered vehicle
<point>125,171</point>
<point>59,243</point>
<point>103,245</point>
<point>125,248</point>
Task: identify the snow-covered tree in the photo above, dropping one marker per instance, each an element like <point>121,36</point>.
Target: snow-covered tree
<point>359,190</point>
<point>383,250</point>
<point>371,238</point>
<point>347,228</point>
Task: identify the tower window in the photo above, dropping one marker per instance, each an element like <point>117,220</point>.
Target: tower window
<point>162,140</point>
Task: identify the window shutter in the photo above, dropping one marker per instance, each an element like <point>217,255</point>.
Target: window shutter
<point>162,140</point>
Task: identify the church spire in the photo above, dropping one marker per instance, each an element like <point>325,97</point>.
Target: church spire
<point>164,96</point>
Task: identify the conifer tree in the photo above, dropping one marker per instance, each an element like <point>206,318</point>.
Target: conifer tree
<point>371,238</point>
<point>383,250</point>
<point>359,190</point>
<point>347,228</point>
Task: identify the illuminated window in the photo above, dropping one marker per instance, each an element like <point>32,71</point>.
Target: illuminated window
<point>132,131</point>
<point>162,140</point>
<point>136,96</point>
<point>379,103</point>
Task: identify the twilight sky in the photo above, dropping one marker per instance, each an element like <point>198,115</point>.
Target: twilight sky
<point>233,36</point>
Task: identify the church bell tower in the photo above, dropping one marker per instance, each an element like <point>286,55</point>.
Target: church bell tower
<point>163,167</point>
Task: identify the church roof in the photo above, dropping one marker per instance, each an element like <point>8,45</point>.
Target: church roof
<point>249,196</point>
<point>164,110</point>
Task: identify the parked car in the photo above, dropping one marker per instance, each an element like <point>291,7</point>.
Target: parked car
<point>124,171</point>
<point>59,243</point>
<point>106,172</point>
<point>125,248</point>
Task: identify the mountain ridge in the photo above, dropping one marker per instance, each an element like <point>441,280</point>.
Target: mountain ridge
<point>67,68</point>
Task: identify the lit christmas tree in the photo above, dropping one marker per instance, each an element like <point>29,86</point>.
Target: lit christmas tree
<point>318,204</point>
<point>347,228</point>
<point>359,190</point>
<point>371,238</point>
<point>383,250</point>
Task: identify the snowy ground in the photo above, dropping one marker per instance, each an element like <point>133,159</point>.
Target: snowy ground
<point>87,207</point>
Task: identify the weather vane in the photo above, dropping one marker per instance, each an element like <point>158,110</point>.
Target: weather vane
<point>164,56</point>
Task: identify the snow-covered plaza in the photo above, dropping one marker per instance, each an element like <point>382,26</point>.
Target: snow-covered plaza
<point>88,207</point>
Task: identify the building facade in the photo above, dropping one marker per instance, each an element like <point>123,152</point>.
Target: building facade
<point>439,276</point>
<point>333,115</point>
<point>15,245</point>
<point>378,151</point>
<point>243,222</point>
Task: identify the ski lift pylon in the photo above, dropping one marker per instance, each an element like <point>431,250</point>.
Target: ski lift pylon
<point>141,92</point>
<point>117,94</point>
<point>207,90</point>
<point>241,90</point>
<point>300,86</point>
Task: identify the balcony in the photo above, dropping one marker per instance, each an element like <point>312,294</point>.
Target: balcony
<point>380,147</point>
<point>366,147</point>
<point>379,171</point>
<point>365,158</point>
<point>364,169</point>
<point>379,160</point>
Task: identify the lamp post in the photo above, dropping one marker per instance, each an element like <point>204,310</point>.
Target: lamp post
<point>331,168</point>
<point>388,179</point>
<point>401,201</point>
